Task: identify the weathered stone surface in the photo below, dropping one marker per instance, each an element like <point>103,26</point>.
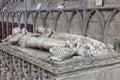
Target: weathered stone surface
<point>106,3</point>
<point>102,67</point>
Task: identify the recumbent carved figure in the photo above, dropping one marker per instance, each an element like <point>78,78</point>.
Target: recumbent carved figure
<point>60,45</point>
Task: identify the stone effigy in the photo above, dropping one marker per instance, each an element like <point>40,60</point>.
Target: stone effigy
<point>60,45</point>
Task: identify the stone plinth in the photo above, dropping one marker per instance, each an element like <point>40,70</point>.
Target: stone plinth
<point>34,64</point>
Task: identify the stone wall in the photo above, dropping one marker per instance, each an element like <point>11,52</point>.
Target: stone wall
<point>106,3</point>
<point>53,4</point>
<point>95,29</point>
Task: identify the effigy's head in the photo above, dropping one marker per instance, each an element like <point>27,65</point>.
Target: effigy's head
<point>41,29</point>
<point>16,30</point>
<point>44,31</point>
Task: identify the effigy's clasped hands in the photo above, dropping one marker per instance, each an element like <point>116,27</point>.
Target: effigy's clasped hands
<point>61,45</point>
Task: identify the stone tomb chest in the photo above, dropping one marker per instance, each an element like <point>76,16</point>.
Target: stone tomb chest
<point>31,64</point>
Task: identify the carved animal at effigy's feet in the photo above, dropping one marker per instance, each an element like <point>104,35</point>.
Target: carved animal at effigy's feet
<point>61,45</point>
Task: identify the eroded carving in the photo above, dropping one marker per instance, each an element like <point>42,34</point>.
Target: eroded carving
<point>60,45</point>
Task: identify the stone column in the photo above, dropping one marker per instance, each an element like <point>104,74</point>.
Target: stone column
<point>91,3</point>
<point>82,3</point>
<point>28,4</point>
<point>1,3</point>
<point>19,1</point>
